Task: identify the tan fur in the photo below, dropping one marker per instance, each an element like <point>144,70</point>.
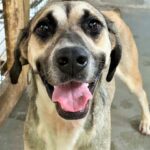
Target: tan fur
<point>44,128</point>
<point>128,70</point>
<point>51,126</point>
<point>52,131</point>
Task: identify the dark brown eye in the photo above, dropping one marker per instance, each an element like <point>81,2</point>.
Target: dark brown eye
<point>43,29</point>
<point>46,28</point>
<point>94,27</point>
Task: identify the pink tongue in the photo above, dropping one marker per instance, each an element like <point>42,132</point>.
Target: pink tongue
<point>72,97</point>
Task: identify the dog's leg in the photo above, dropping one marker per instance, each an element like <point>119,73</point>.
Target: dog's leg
<point>128,70</point>
<point>131,76</point>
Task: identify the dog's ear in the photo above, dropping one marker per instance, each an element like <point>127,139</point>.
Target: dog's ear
<point>116,52</point>
<point>20,56</point>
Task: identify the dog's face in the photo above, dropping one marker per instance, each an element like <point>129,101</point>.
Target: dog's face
<point>67,44</point>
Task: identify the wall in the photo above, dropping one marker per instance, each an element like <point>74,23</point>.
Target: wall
<point>128,2</point>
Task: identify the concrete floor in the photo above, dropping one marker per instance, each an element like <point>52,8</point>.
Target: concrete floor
<point>125,109</point>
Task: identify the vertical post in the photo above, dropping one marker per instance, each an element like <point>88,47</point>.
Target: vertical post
<point>16,16</point>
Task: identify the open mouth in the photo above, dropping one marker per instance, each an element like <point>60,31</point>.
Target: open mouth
<point>72,99</point>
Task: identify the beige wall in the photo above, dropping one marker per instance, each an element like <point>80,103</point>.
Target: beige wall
<point>128,2</point>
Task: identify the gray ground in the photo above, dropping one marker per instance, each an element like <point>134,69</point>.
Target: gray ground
<point>125,109</point>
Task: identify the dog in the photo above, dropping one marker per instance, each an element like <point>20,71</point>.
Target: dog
<point>74,50</point>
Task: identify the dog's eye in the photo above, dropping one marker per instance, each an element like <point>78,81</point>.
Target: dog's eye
<point>44,29</point>
<point>92,27</point>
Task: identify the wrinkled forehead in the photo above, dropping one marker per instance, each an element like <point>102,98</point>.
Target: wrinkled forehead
<point>67,11</point>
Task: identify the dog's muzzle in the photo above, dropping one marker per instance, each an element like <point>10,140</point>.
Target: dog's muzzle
<point>72,97</point>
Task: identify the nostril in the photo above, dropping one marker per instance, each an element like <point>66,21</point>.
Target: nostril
<point>82,60</point>
<point>63,61</point>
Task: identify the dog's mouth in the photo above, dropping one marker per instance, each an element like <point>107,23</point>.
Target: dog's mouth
<point>72,98</point>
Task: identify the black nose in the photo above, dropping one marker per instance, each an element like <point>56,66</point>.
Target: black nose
<point>71,60</point>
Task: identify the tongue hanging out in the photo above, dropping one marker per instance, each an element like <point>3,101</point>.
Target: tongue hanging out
<point>72,97</point>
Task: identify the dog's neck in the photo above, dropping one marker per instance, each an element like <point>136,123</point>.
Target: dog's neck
<point>51,126</point>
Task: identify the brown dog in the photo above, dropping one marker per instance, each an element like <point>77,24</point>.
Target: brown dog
<point>128,70</point>
<point>73,50</point>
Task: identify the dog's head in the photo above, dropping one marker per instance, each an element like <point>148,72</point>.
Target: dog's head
<point>68,45</point>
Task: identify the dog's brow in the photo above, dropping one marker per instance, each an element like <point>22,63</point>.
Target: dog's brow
<point>49,16</point>
<point>88,14</point>
<point>68,8</point>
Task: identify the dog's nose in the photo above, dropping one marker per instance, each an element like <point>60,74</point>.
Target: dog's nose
<point>71,60</point>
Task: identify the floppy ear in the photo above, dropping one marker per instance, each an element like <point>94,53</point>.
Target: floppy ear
<point>116,52</point>
<point>19,60</point>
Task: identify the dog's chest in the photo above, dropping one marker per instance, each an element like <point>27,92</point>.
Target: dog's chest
<point>56,132</point>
